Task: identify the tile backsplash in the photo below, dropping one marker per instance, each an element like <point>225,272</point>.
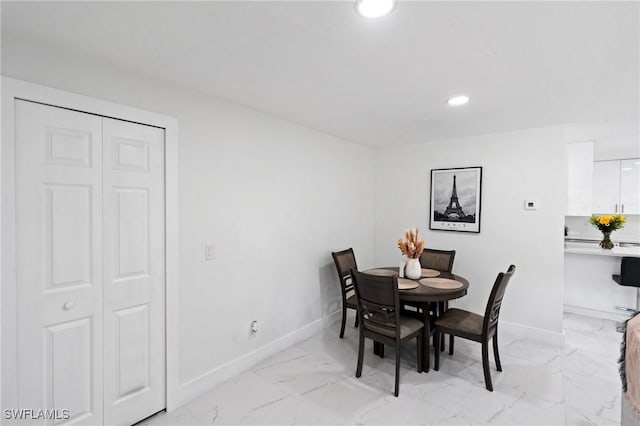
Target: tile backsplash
<point>579,227</point>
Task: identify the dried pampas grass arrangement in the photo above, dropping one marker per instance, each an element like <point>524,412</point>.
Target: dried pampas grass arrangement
<point>411,247</point>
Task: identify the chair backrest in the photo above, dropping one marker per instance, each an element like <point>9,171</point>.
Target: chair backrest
<point>378,303</point>
<point>345,261</point>
<point>441,260</point>
<point>630,271</point>
<point>492,312</point>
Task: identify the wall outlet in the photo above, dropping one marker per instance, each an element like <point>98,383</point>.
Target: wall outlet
<point>209,252</point>
<point>254,327</point>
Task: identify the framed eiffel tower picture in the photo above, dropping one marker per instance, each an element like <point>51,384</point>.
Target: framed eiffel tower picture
<point>455,199</point>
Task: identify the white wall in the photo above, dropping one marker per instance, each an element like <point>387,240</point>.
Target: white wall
<point>516,166</point>
<point>274,198</point>
<point>612,139</point>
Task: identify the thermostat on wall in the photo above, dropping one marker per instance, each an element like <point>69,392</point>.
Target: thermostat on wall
<point>531,204</point>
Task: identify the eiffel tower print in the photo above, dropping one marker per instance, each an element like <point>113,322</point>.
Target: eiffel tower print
<point>455,199</point>
<point>454,210</point>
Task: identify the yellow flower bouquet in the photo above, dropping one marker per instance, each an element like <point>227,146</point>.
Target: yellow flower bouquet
<point>607,224</point>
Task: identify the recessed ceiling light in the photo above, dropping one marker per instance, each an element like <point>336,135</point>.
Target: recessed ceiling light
<point>458,100</point>
<point>374,8</point>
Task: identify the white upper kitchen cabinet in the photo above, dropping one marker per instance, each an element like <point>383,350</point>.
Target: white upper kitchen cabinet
<point>606,187</point>
<point>579,176</point>
<point>616,186</point>
<point>630,186</point>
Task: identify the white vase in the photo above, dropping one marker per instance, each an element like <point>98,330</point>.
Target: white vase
<point>412,269</point>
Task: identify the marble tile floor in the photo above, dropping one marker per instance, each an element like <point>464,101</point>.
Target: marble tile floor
<point>313,383</point>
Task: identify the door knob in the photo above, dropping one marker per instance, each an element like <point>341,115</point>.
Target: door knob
<point>69,305</point>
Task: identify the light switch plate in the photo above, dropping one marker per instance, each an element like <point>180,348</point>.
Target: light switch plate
<point>209,252</point>
<point>531,204</point>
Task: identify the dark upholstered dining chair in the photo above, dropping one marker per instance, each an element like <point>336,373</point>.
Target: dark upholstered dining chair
<point>380,318</point>
<point>477,328</point>
<point>441,260</point>
<point>345,261</point>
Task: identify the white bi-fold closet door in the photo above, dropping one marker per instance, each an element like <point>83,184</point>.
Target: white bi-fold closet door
<point>90,265</point>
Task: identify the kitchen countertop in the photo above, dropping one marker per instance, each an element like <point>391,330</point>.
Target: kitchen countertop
<point>593,249</point>
<point>588,240</point>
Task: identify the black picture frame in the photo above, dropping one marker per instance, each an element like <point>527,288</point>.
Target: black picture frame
<point>456,199</point>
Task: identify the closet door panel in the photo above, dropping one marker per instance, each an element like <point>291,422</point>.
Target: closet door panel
<point>134,306</point>
<point>59,261</point>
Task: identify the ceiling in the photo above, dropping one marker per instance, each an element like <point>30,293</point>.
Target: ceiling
<point>378,82</point>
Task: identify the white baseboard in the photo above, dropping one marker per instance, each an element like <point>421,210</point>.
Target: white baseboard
<point>195,387</point>
<point>531,333</point>
<point>614,316</point>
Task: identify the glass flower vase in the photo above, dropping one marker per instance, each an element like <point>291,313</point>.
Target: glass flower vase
<point>606,242</point>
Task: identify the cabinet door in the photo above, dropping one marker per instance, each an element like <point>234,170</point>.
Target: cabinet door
<point>579,178</point>
<point>606,187</point>
<point>630,186</point>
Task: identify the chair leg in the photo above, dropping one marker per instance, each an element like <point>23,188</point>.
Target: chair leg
<point>496,355</point>
<point>436,360</point>
<point>441,309</point>
<point>381,350</point>
<point>360,355</point>
<point>397,390</point>
<point>419,350</point>
<point>485,366</point>
<point>427,334</point>
<point>451,344</point>
<point>344,320</point>
<point>357,320</point>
